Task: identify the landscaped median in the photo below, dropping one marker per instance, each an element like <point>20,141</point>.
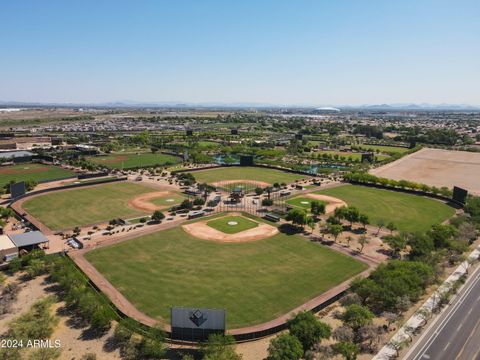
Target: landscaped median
<point>404,335</point>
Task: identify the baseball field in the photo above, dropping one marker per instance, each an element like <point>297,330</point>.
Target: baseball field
<point>84,206</point>
<point>173,268</point>
<point>30,171</point>
<point>134,160</point>
<point>265,175</point>
<point>408,212</point>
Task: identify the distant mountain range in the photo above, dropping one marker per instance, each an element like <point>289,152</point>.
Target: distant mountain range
<point>241,105</point>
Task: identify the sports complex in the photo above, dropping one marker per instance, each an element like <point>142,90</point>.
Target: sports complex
<point>232,257</point>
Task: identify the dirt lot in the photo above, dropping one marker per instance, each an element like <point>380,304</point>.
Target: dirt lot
<point>436,167</point>
<point>74,336</point>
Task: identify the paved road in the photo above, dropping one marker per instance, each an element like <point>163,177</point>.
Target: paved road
<point>456,333</point>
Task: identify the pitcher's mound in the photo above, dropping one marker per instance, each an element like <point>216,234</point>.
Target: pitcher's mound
<point>201,230</point>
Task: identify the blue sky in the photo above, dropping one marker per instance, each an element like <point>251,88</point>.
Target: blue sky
<point>282,52</point>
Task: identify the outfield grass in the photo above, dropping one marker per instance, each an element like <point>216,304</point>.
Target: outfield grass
<point>222,225</point>
<point>167,200</point>
<point>78,207</point>
<point>385,149</point>
<point>409,212</point>
<point>127,161</point>
<point>270,176</point>
<point>244,186</point>
<point>35,172</point>
<point>253,281</point>
<point>297,201</point>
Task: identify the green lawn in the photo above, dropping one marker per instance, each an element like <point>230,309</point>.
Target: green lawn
<point>222,224</point>
<point>270,176</point>
<point>385,149</point>
<point>78,207</point>
<point>253,281</point>
<point>302,202</point>
<point>409,212</point>
<point>168,200</point>
<point>344,155</point>
<point>30,171</point>
<point>126,161</point>
<point>245,186</point>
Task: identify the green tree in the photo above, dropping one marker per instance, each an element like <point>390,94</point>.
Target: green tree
<point>362,240</point>
<point>308,329</point>
<point>311,223</point>
<point>297,217</point>
<point>285,347</point>
<point>335,230</point>
<point>442,235</point>
<point>357,316</point>
<point>152,345</point>
<point>258,191</point>
<point>397,243</point>
<point>317,208</point>
<point>219,347</point>
<point>158,216</point>
<point>352,215</point>
<point>381,225</point>
<point>348,350</point>
<point>392,227</point>
<point>364,220</point>
<point>421,246</point>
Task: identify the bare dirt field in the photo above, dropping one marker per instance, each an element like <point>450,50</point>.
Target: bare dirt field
<point>74,336</point>
<point>436,167</point>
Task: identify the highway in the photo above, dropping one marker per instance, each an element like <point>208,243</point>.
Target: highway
<point>455,334</point>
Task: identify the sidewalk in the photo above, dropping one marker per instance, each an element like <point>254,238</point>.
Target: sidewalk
<point>416,321</point>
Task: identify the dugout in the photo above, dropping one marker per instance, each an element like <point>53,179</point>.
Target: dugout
<point>272,217</point>
<point>190,324</point>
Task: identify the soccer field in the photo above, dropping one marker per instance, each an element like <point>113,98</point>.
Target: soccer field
<point>127,161</point>
<point>253,281</point>
<point>270,176</point>
<point>409,212</point>
<point>30,171</point>
<point>78,207</point>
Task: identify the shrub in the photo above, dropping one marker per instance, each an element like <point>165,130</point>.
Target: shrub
<point>285,347</point>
